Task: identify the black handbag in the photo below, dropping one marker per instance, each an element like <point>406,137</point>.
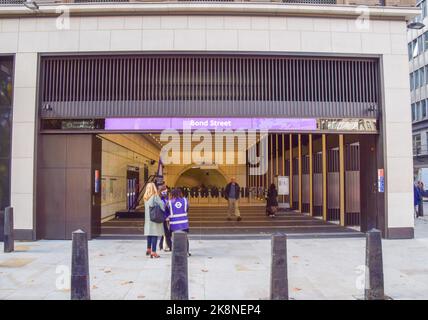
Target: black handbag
<point>157,214</point>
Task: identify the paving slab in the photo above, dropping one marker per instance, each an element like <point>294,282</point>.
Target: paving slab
<point>323,268</point>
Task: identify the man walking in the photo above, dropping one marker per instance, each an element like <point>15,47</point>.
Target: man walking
<point>231,193</point>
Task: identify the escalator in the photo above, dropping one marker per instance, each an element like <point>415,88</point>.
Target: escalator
<point>134,194</point>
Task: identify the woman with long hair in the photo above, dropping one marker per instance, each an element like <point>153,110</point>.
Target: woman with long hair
<point>152,229</point>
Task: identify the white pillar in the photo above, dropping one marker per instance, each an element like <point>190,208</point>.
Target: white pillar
<point>23,139</point>
<point>398,141</point>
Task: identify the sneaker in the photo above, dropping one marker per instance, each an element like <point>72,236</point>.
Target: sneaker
<point>154,255</point>
<point>238,219</point>
<point>148,252</point>
<point>189,254</point>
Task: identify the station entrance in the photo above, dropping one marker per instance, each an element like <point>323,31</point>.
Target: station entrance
<point>319,139</point>
<point>321,190</point>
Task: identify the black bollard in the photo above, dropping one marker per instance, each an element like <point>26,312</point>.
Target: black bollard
<point>179,276</point>
<point>80,266</point>
<point>279,275</point>
<point>374,289</point>
<point>8,238</point>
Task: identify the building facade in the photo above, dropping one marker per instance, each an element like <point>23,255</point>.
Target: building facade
<point>418,65</point>
<point>340,62</point>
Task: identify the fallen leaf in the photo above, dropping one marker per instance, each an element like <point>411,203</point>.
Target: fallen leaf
<point>141,296</point>
<point>204,270</point>
<point>127,282</point>
<point>22,248</point>
<point>94,287</point>
<point>16,262</point>
<point>296,289</point>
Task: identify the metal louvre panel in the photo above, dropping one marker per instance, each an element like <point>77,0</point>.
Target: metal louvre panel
<point>295,177</point>
<point>168,85</point>
<point>333,190</point>
<point>305,188</point>
<point>352,194</point>
<point>317,187</point>
<point>352,179</point>
<point>305,179</point>
<point>333,179</point>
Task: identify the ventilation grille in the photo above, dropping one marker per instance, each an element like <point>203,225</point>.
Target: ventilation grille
<point>208,78</point>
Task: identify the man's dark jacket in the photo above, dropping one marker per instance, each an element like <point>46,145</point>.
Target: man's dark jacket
<point>227,190</point>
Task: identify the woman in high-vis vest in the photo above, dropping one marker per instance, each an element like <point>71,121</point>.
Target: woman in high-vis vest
<point>152,229</point>
<point>178,207</point>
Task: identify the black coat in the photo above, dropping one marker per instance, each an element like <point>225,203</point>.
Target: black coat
<point>272,200</point>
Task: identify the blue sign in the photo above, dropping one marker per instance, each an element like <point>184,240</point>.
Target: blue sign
<point>380,180</point>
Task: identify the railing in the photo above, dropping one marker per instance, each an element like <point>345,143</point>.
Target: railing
<point>420,150</point>
<point>402,3</point>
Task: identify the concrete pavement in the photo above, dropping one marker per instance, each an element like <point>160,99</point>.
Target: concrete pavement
<point>218,269</point>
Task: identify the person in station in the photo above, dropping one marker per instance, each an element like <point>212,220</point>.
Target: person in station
<point>421,198</point>
<point>178,209</point>
<point>152,229</point>
<point>222,192</point>
<point>214,192</point>
<point>204,191</point>
<point>165,240</point>
<point>232,193</point>
<point>272,201</point>
<point>417,196</point>
<point>185,191</point>
<point>194,192</point>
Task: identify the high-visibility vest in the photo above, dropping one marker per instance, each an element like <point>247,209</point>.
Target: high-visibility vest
<point>178,219</point>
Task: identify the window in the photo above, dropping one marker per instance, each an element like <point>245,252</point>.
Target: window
<point>423,109</point>
<point>412,81</point>
<point>425,35</point>
<point>421,77</point>
<point>415,48</point>
<point>413,112</point>
<point>418,111</point>
<point>416,76</point>
<point>423,5</point>
<point>6,86</point>
<point>409,50</point>
<point>420,45</point>
<point>424,9</point>
<point>426,74</point>
<point>416,144</point>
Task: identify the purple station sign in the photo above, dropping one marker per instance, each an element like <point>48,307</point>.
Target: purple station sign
<point>273,124</point>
